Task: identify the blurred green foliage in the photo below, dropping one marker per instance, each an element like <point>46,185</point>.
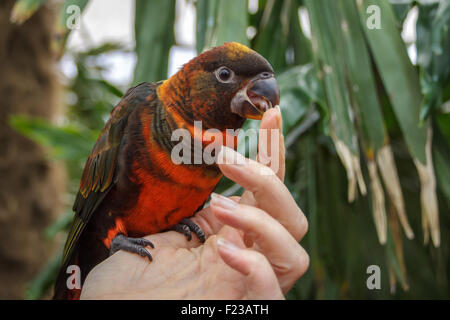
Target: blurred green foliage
<point>341,82</point>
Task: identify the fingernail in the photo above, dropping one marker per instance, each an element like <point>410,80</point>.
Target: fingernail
<point>223,202</point>
<point>279,117</point>
<point>229,156</point>
<point>221,242</point>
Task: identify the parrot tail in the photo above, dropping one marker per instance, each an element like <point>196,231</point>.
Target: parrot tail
<point>68,283</point>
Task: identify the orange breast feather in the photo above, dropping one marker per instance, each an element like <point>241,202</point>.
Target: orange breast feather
<point>164,199</point>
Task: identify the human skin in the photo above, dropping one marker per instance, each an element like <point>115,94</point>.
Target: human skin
<point>252,249</point>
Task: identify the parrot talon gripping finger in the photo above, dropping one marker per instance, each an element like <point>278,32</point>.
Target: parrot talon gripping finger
<point>134,245</point>
<point>184,230</point>
<point>192,226</point>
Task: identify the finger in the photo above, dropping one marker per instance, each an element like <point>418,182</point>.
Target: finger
<point>288,259</point>
<point>270,194</point>
<point>260,280</point>
<point>271,150</point>
<point>271,120</point>
<point>208,222</point>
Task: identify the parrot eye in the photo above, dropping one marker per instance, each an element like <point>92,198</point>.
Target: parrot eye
<point>225,75</point>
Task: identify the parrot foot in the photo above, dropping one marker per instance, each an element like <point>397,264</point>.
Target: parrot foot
<point>186,226</point>
<point>134,245</point>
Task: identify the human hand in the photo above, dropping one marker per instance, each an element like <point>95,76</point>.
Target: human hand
<point>251,251</point>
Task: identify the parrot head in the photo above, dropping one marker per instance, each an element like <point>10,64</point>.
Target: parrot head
<point>223,86</point>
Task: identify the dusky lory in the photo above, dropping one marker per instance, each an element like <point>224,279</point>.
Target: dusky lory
<point>130,186</point>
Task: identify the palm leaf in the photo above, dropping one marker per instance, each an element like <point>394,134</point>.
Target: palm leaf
<point>402,85</point>
<point>154,32</point>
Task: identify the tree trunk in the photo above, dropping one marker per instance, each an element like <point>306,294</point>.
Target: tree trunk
<point>30,185</point>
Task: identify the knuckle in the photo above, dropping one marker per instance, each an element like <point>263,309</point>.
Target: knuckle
<point>302,262</point>
<point>296,266</point>
<point>285,268</point>
<point>303,226</point>
<point>265,184</point>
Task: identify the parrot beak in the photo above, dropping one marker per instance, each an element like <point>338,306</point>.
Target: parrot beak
<point>259,95</point>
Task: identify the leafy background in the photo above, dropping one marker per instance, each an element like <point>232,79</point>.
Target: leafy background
<point>367,131</point>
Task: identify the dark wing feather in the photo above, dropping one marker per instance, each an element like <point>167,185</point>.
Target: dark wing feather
<point>100,170</point>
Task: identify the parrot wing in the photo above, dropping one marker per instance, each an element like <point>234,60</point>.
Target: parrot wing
<point>99,174</point>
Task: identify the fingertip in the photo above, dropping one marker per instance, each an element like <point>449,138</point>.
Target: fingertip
<point>270,119</point>
<point>279,116</point>
<point>261,281</point>
<point>233,256</point>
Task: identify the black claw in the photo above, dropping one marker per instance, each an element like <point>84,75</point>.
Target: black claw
<point>134,245</point>
<point>144,253</point>
<point>194,228</point>
<point>183,229</point>
<point>142,242</point>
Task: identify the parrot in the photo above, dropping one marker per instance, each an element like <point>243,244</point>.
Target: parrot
<point>130,187</point>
